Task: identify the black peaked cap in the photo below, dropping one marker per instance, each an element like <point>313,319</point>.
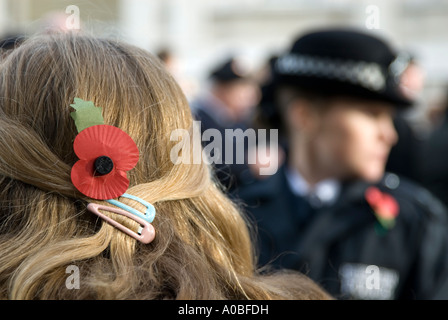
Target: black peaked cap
<point>344,62</point>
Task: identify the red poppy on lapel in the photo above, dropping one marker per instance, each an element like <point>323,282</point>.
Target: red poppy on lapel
<point>384,206</point>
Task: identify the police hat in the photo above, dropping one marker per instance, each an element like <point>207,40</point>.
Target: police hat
<point>227,71</point>
<point>344,62</point>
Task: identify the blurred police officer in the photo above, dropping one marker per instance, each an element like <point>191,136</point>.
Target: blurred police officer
<point>331,211</point>
<point>228,104</point>
<point>432,164</point>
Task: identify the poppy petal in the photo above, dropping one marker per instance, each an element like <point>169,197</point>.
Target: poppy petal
<point>373,195</point>
<point>384,205</point>
<point>105,187</point>
<point>106,140</point>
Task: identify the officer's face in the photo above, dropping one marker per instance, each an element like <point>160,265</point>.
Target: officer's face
<point>239,96</point>
<point>353,138</point>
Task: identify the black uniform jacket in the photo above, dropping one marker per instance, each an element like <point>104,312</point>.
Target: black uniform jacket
<point>342,247</point>
<point>229,175</point>
<point>432,162</point>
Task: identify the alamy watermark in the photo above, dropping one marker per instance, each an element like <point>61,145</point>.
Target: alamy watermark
<point>373,278</point>
<point>234,146</point>
<point>362,281</point>
<point>373,17</point>
<point>73,280</point>
<point>73,21</point>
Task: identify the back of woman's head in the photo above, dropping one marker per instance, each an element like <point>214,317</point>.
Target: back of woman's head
<point>202,248</point>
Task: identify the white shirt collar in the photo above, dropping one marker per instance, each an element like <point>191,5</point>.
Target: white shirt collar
<point>325,192</point>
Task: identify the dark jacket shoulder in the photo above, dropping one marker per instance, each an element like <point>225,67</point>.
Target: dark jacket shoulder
<point>417,196</point>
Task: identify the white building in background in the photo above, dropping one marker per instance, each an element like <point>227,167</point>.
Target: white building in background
<point>203,32</point>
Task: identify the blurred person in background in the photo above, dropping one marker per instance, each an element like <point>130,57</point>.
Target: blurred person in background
<point>10,42</point>
<point>332,211</point>
<point>404,156</point>
<point>174,66</point>
<point>266,115</point>
<point>229,104</point>
<point>432,162</point>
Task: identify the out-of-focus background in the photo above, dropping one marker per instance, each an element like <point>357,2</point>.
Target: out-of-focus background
<point>196,35</point>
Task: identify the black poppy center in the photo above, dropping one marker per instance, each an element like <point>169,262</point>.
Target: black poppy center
<point>103,165</point>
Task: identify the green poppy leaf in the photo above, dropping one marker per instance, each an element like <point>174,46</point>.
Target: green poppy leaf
<point>86,114</point>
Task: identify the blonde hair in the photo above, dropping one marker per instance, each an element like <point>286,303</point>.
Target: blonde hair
<point>203,247</point>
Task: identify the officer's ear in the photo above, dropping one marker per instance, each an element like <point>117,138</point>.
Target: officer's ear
<point>303,116</point>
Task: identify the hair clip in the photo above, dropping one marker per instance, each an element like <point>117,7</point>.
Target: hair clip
<point>146,232</point>
<point>147,216</point>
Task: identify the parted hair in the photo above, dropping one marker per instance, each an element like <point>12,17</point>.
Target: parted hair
<point>203,246</point>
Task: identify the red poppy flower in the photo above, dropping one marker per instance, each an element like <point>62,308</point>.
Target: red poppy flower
<point>385,206</point>
<point>106,153</point>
